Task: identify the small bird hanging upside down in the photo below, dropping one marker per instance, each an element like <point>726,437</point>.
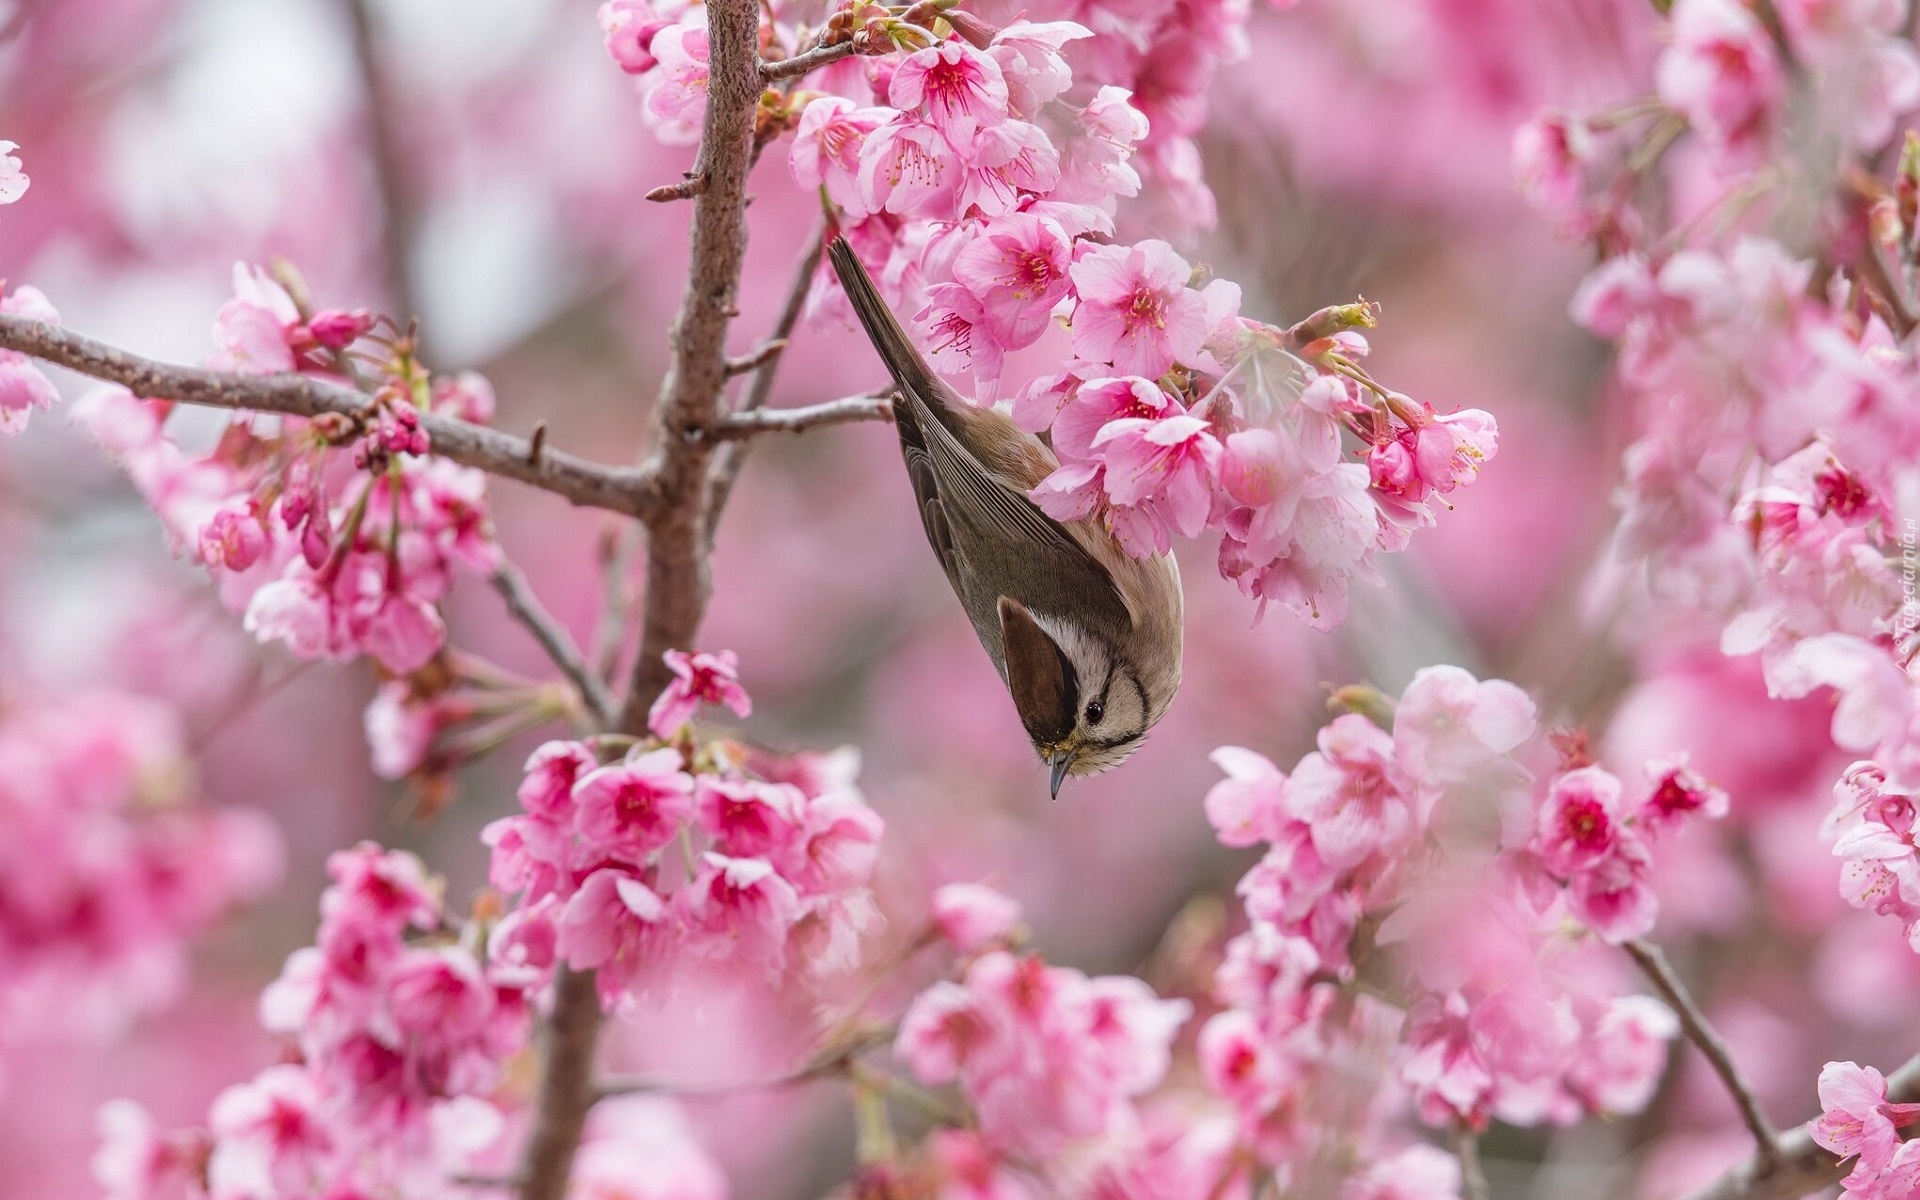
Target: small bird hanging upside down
<point>1086,638</point>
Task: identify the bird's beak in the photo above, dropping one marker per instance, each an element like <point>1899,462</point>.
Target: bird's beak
<point>1059,760</point>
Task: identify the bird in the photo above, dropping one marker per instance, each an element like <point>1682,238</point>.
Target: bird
<point>1086,637</point>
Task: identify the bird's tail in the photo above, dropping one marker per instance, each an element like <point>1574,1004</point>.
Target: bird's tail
<point>909,370</point>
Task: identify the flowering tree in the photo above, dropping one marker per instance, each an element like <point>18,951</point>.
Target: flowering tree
<point>1440,970</point>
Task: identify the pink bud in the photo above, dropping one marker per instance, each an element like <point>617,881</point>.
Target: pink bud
<point>338,328</point>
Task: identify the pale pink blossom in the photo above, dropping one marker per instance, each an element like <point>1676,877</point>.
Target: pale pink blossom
<point>1017,268</point>
<point>960,88</point>
<point>270,1137</point>
<point>1721,72</point>
<point>1237,1062</point>
<point>1857,1119</point>
<point>1449,726</point>
<point>138,1161</point>
<point>1136,310</point>
<point>698,678</point>
<point>629,27</point>
<point>22,386</point>
<point>255,330</point>
<point>826,150</point>
<point>548,778</point>
<point>741,907</point>
<point>1614,897</point>
<point>972,915</point>
<point>1162,472</point>
<point>1249,805</point>
<point>1350,793</point>
<point>618,925</point>
<point>1003,163</point>
<point>906,163</point>
<point>1550,157</point>
<point>13,180</point>
<point>630,810</point>
<point>745,818</point>
<point>1097,403</point>
<point>1618,1064</point>
<point>1419,1172</point>
<point>679,95</point>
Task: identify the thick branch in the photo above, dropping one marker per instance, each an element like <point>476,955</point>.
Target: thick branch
<point>1803,1166</point>
<point>871,407</point>
<point>511,582</point>
<point>566,1087</point>
<point>800,64</point>
<point>1654,963</point>
<point>691,397</point>
<point>616,489</point>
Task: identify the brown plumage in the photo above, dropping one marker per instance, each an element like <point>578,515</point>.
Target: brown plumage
<point>1086,638</point>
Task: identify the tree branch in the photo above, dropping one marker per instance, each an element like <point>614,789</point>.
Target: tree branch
<point>1803,1166</point>
<point>1654,963</point>
<point>617,489</point>
<point>874,406</point>
<point>691,397</point>
<point>566,1087</point>
<point>1473,1178</point>
<point>801,64</point>
<point>511,582</point>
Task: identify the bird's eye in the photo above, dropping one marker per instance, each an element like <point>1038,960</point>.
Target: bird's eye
<point>1095,711</point>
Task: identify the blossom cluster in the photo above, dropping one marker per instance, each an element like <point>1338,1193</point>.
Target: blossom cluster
<point>639,863</point>
<point>334,536</point>
<point>398,1030</point>
<point>23,387</point>
<point>1050,1062</point>
<point>1774,392</point>
<point>980,168</point>
<point>109,863</point>
<point>1856,1121</point>
<point>1426,862</point>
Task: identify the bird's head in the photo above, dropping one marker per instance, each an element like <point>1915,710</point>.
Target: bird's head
<point>1085,707</point>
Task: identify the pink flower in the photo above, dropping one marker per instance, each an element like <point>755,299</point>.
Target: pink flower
<point>959,335</point>
<point>1017,268</point>
<point>1579,820</point>
<point>136,1161</point>
<point>270,1137</point>
<point>741,906</point>
<point>1678,792</point>
<point>835,847</point>
<point>618,925</point>
<point>22,387</point>
<point>1098,403</point>
<point>1136,310</point>
<point>1721,73</point>
<point>1094,162</point>
<point>1417,1173</point>
<point>1550,154</point>
<point>1163,469</point>
<point>13,180</point>
<point>629,27</point>
<point>1002,163</point>
<point>971,915</point>
<point>530,854</point>
<point>826,150</point>
<point>1613,897</point>
<point>403,633</point>
<point>1030,61</point>
<point>1237,1063</point>
<point>549,776</point>
<point>234,539</point>
<point>906,164</point>
<point>698,678</point>
<point>1449,726</point>
<point>388,889</point>
<point>744,818</point>
<point>1619,1063</point>
<point>438,994</point>
<point>1350,793</point>
<point>939,1032</point>
<point>961,88</point>
<point>1856,1118</point>
<point>1248,806</point>
<point>629,810</point>
<point>254,331</point>
<point>679,98</point>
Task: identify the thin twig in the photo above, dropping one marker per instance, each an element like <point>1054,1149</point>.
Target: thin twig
<point>693,185</point>
<point>1473,1179</point>
<point>625,490</point>
<point>511,582</point>
<point>757,357</point>
<point>399,221</point>
<point>800,64</point>
<point>874,406</point>
<point>1653,962</point>
<point>727,463</point>
<point>1803,1166</point>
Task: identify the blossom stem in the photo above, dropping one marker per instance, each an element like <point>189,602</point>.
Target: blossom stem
<point>511,582</point>
<point>1653,963</point>
<point>623,490</point>
<point>801,64</point>
<point>1802,1166</point>
<point>1473,1179</point>
<point>872,406</point>
<point>566,1091</point>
